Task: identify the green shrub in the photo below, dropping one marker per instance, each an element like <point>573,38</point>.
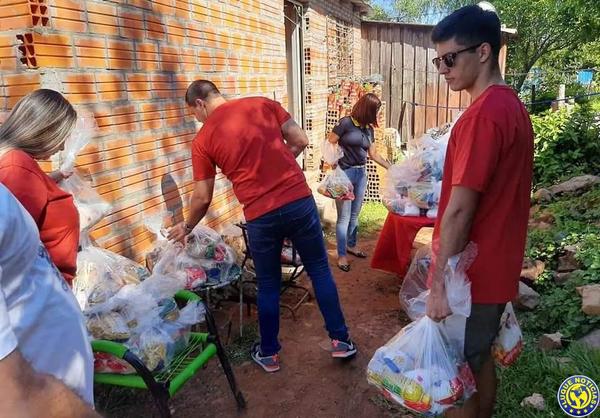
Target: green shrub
<point>567,143</point>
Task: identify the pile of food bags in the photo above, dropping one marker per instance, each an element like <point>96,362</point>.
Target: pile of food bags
<point>205,260</point>
<point>336,183</point>
<point>146,319</point>
<point>423,367</point>
<point>413,187</point>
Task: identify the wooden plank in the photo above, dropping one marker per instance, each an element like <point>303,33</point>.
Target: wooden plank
<point>442,101</point>
<point>431,112</point>
<point>395,103</point>
<point>365,49</point>
<point>420,83</point>
<point>375,43</point>
<point>453,104</point>
<point>408,82</point>
<point>386,67</point>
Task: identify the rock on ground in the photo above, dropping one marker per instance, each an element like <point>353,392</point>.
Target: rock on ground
<point>548,342</point>
<point>590,299</point>
<point>527,298</point>
<point>535,401</point>
<point>592,340</point>
<point>575,184</point>
<point>532,269</point>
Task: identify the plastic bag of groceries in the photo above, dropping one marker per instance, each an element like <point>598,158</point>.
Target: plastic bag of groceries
<point>289,255</point>
<point>508,345</point>
<point>107,326</point>
<point>204,261</point>
<point>458,286</point>
<point>336,185</point>
<point>398,179</point>
<point>331,152</point>
<point>155,224</point>
<point>204,242</point>
<point>85,129</point>
<point>101,274</point>
<point>157,341</point>
<point>91,207</point>
<point>421,370</point>
<point>415,282</point>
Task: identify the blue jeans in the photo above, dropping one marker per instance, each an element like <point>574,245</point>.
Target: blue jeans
<point>346,227</point>
<point>299,221</point>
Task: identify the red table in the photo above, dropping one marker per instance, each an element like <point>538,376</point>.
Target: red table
<point>392,252</point>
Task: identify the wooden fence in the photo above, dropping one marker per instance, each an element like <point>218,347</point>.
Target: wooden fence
<point>417,97</point>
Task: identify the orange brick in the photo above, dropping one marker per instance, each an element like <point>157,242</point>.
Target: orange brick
<point>118,162</point>
<point>117,152</point>
<point>156,29</point>
<point>83,88</point>
<point>132,25</point>
<point>77,98</point>
<point>108,187</point>
<point>112,95</point>
<point>117,143</point>
<point>83,62</point>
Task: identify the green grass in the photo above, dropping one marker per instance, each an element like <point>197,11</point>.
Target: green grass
<point>371,218</point>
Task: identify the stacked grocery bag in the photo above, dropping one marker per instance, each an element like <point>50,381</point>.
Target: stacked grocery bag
<point>412,187</point>
<point>423,367</point>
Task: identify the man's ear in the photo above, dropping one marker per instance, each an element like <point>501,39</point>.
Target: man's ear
<point>199,102</point>
<point>485,52</point>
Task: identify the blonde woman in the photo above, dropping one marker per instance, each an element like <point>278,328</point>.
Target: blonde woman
<point>37,128</point>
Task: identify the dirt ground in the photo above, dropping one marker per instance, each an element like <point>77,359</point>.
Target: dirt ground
<point>310,383</point>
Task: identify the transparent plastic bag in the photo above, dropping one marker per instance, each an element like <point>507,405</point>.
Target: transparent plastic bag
<point>421,370</point>
<point>415,281</point>
<point>107,326</point>
<point>158,340</point>
<point>91,207</point>
<point>458,286</point>
<point>205,243</point>
<point>331,152</point>
<point>288,255</point>
<point>101,274</point>
<point>85,129</point>
<point>508,345</point>
<point>337,185</point>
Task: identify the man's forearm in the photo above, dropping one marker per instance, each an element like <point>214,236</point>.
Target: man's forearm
<point>454,236</point>
<point>296,150</point>
<point>198,209</point>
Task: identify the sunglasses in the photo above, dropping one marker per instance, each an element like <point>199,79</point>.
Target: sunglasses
<point>450,58</point>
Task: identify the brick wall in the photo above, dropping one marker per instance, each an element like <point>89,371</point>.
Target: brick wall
<point>129,62</point>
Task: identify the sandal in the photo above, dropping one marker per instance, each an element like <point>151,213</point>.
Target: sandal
<point>344,267</point>
<point>359,254</point>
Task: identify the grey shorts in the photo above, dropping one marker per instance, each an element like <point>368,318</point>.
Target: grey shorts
<point>481,330</point>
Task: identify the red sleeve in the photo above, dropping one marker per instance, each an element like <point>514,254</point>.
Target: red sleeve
<point>478,145</point>
<point>280,113</point>
<point>29,189</point>
<point>202,164</point>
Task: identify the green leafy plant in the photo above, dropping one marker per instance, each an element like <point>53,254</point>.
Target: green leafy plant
<point>566,144</point>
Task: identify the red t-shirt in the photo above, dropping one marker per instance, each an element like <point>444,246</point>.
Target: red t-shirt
<point>51,208</point>
<point>243,137</point>
<point>491,151</point>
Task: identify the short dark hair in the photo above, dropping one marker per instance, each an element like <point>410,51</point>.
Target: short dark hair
<point>200,89</point>
<point>470,25</point>
<point>366,108</point>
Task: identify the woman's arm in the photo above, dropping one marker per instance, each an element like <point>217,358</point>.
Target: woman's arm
<point>374,155</point>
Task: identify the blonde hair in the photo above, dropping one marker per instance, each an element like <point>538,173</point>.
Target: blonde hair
<point>39,124</point>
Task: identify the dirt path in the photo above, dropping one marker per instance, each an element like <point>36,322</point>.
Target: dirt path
<point>310,384</point>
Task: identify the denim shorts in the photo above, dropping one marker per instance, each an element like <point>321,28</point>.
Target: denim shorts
<point>481,330</point>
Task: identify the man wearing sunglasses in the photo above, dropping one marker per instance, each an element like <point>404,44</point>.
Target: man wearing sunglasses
<point>485,190</point>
